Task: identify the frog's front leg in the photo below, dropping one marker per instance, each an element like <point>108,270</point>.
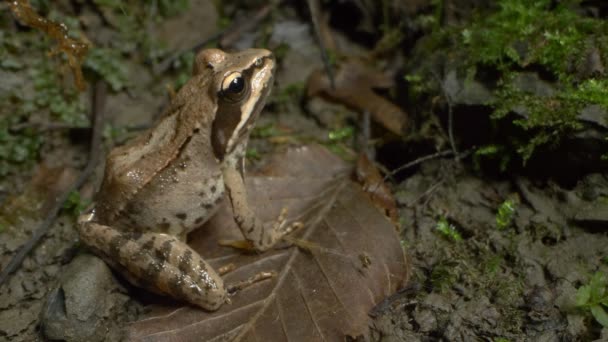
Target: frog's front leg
<point>261,237</point>
<point>158,262</point>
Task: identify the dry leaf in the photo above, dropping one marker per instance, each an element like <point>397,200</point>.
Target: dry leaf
<point>354,84</point>
<point>323,292</point>
<point>373,183</point>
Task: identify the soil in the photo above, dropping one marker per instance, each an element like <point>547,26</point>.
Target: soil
<point>495,283</point>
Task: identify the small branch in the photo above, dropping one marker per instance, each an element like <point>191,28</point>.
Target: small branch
<point>418,161</point>
<point>313,6</point>
<point>45,126</point>
<point>97,124</point>
<point>237,29</point>
<point>225,37</point>
<point>448,100</point>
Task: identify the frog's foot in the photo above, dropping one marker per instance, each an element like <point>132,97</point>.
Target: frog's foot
<point>235,287</point>
<point>277,232</point>
<point>281,228</point>
<point>244,245</point>
<point>264,238</point>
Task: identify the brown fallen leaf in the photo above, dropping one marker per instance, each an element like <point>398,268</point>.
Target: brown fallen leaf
<point>354,84</point>
<point>373,184</point>
<point>323,292</point>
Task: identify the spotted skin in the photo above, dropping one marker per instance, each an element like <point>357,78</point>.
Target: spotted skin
<point>169,181</point>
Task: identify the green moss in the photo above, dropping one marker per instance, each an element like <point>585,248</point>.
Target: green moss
<point>183,65</point>
<point>37,93</point>
<point>539,36</point>
<point>339,141</point>
<point>445,274</point>
<point>108,64</point>
<point>447,230</point>
<point>513,38</point>
<point>74,205</point>
<point>63,103</point>
<point>170,8</point>
<point>265,131</point>
<point>288,95</point>
<point>506,211</point>
<point>18,150</point>
<point>340,134</point>
<point>514,35</point>
<point>492,151</point>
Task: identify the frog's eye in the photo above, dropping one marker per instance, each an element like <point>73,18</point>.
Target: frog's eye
<point>234,87</point>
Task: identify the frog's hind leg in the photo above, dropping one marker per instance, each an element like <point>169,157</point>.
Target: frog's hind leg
<point>159,262</point>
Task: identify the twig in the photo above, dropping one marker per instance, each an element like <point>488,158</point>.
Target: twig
<point>416,162</point>
<point>448,99</point>
<point>225,37</point>
<point>313,6</point>
<point>97,118</point>
<point>237,29</point>
<point>365,136</point>
<point>45,126</point>
<point>385,304</point>
<point>428,193</point>
<point>162,66</point>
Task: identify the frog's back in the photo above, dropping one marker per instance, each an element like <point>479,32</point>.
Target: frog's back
<point>180,197</point>
<point>184,194</point>
<point>166,169</point>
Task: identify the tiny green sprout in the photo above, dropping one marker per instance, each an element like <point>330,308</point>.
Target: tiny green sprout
<point>281,51</point>
<point>113,133</point>
<point>341,133</point>
<point>253,154</point>
<point>74,205</point>
<point>183,65</point>
<point>466,36</point>
<point>265,131</point>
<point>594,297</point>
<point>504,216</point>
<point>404,244</point>
<point>289,94</point>
<point>448,230</point>
<point>501,339</point>
<point>413,78</point>
<point>171,8</point>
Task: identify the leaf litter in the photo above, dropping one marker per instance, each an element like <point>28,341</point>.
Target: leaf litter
<point>349,259</point>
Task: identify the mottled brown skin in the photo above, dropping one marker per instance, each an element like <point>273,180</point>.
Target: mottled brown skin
<point>163,184</point>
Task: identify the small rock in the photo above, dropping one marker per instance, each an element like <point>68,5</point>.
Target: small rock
<point>426,320</point>
<point>51,270</point>
<point>594,114</point>
<point>466,92</point>
<point>15,320</point>
<point>79,309</point>
<point>576,325</point>
<point>529,82</point>
<point>593,215</point>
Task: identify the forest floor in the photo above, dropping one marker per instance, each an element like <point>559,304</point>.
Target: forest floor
<point>495,256</point>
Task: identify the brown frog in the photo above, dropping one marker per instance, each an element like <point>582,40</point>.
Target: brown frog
<point>167,182</point>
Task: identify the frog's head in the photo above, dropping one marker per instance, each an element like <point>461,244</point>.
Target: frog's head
<point>240,84</point>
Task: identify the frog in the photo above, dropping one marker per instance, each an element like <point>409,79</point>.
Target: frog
<point>170,180</point>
